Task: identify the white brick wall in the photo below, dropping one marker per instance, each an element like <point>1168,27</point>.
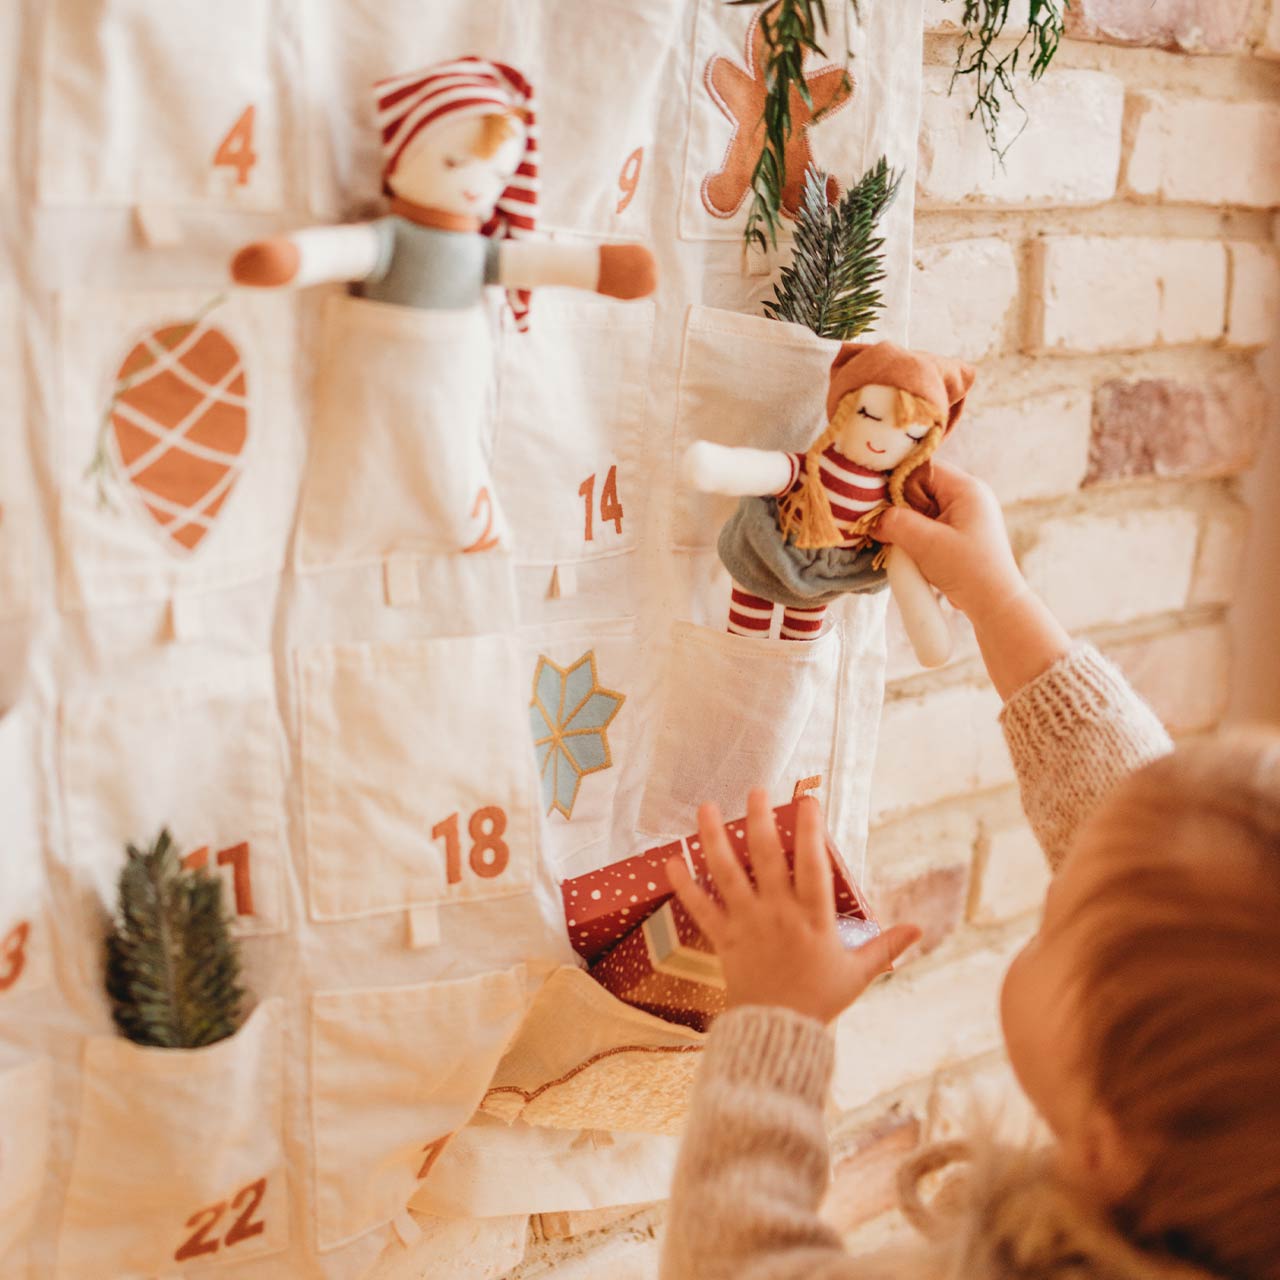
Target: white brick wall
<point>947,312</point>
<point>1101,294</point>
<point>1217,568</point>
<point>1253,316</point>
<point>1067,154</point>
<point>1104,569</point>
<point>988,1099</point>
<point>947,15</point>
<point>1201,151</point>
<point>1011,874</point>
<point>1184,674</point>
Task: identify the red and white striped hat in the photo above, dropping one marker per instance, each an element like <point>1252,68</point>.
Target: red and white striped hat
<point>409,104</point>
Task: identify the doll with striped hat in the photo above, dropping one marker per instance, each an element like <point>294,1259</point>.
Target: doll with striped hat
<point>460,151</point>
<point>803,533</point>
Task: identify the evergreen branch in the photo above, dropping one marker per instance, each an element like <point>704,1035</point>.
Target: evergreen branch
<point>994,74</point>
<point>172,970</point>
<point>791,31</point>
<point>831,284</point>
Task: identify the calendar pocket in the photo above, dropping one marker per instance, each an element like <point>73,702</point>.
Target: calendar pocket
<point>24,1141</point>
<point>177,451</point>
<point>203,759</point>
<point>176,105</point>
<point>395,1073</point>
<point>739,713</point>
<point>570,456</point>
<point>417,774</point>
<point>585,1060</point>
<point>398,463</point>
<point>744,381</point>
<point>179,1160</point>
<point>599,124</point>
<point>582,726</point>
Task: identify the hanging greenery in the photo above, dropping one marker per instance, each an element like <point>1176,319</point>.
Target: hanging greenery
<point>994,74</point>
<point>173,971</point>
<point>837,264</point>
<point>791,29</point>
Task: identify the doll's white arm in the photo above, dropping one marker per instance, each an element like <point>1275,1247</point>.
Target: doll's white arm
<point>616,270</point>
<point>309,257</point>
<point>922,616</point>
<point>741,473</point>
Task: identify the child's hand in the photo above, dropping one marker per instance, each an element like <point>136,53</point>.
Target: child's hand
<point>965,551</point>
<point>778,941</point>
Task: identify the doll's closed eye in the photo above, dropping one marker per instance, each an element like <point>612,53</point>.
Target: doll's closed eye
<point>919,431</point>
<point>451,163</point>
<point>862,413</point>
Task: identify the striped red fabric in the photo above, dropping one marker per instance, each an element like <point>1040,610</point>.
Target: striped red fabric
<point>851,489</point>
<point>409,104</point>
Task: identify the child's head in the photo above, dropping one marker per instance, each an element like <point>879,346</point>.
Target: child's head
<point>1144,1019</point>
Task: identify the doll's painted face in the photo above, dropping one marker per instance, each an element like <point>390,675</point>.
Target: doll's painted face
<point>461,166</point>
<point>870,432</point>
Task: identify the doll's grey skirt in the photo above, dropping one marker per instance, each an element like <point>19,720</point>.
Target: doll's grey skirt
<point>764,563</point>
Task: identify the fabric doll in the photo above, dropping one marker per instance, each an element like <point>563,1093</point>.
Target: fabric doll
<point>460,150</point>
<point>800,536</point>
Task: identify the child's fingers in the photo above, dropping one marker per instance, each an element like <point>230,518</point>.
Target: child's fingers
<point>873,958</point>
<point>706,914</point>
<point>814,885</point>
<point>765,847</point>
<point>726,871</point>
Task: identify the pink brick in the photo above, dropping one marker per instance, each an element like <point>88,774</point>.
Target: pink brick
<point>1067,154</point>
<point>1152,428</point>
<point>1093,293</point>
<point>1185,150</point>
<point>1253,313</point>
<point>1184,674</point>
<point>864,1174</point>
<point>934,900</point>
<point>1194,26</point>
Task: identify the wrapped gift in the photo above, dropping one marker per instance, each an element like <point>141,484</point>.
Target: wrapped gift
<point>603,907</point>
<point>666,967</point>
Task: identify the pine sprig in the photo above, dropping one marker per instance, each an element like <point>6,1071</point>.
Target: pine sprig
<point>173,971</point>
<point>994,75</point>
<point>791,31</point>
<point>831,283</point>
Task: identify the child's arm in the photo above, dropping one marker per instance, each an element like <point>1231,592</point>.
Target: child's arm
<point>615,270</point>
<point>754,1161</point>
<point>314,256</point>
<point>1074,726</point>
<point>740,473</point>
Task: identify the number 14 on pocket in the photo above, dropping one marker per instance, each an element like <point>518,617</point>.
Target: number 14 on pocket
<point>611,511</point>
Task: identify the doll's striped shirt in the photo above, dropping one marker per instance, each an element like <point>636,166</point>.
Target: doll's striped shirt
<point>851,489</point>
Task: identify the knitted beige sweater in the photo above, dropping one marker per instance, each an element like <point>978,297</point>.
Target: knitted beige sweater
<point>755,1161</point>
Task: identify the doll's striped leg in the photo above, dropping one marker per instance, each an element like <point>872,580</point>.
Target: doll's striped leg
<point>802,624</point>
<point>749,615</point>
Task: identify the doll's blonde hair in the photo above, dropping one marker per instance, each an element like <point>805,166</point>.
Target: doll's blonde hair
<point>495,129</point>
<point>1179,999</point>
<point>804,514</point>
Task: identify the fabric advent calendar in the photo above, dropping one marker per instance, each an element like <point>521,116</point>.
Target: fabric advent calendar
<point>247,595</point>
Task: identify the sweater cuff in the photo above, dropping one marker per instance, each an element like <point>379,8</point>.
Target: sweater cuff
<point>1081,687</point>
<point>774,1047</point>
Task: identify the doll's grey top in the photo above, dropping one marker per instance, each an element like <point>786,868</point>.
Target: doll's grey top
<point>426,267</point>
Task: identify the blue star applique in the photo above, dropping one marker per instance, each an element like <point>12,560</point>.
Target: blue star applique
<point>570,715</point>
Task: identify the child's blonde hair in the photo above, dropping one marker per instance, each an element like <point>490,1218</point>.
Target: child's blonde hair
<point>1180,1000</point>
<point>804,514</point>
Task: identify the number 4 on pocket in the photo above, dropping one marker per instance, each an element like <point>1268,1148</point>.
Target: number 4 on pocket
<point>235,151</point>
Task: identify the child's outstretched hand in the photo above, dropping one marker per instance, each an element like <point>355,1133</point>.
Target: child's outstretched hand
<point>777,940</point>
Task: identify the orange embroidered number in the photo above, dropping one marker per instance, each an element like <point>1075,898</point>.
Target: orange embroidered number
<point>433,1152</point>
<point>488,842</point>
<point>488,539</point>
<point>629,178</point>
<point>237,857</point>
<point>489,852</point>
<point>244,1227</point>
<point>610,508</point>
<point>235,151</point>
<point>13,952</point>
<point>204,1220</point>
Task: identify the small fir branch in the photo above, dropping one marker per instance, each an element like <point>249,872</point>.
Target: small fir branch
<point>173,970</point>
<point>994,75</point>
<point>791,31</point>
<point>832,282</point>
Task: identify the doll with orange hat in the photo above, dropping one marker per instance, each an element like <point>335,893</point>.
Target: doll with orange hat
<point>460,151</point>
<point>802,535</point>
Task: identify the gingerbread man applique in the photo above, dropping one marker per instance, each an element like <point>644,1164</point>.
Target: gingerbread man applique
<point>740,95</point>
